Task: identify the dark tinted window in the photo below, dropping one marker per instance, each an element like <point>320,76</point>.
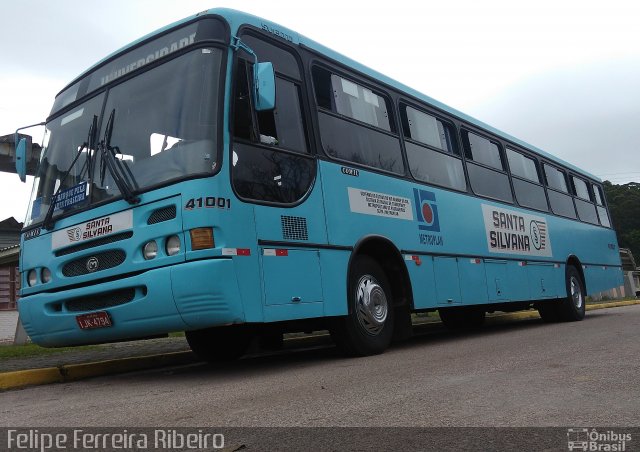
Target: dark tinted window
<point>603,216</point>
<point>284,62</point>
<point>429,130</point>
<point>522,166</point>
<point>582,191</point>
<point>561,204</point>
<point>482,150</point>
<point>586,211</point>
<point>268,175</point>
<point>348,141</point>
<point>493,183</point>
<point>434,167</point>
<point>555,178</point>
<point>488,182</point>
<point>530,195</point>
<point>358,128</point>
<point>597,192</point>
<point>265,166</point>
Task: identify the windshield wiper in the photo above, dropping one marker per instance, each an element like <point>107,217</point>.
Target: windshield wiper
<point>121,173</point>
<point>48,223</point>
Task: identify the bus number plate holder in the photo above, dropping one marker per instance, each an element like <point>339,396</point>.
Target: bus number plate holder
<point>100,319</point>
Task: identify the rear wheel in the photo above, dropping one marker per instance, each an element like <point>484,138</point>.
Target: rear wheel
<point>462,317</point>
<point>571,308</point>
<point>368,328</point>
<point>220,344</point>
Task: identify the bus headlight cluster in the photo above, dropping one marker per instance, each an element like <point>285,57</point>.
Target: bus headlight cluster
<point>150,250</point>
<point>45,275</point>
<point>172,247</point>
<point>32,276</point>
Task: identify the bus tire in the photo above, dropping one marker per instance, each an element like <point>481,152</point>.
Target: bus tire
<point>220,344</point>
<point>462,317</point>
<point>368,328</point>
<point>548,311</point>
<point>572,308</point>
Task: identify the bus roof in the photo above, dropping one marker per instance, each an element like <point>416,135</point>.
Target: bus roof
<point>237,18</point>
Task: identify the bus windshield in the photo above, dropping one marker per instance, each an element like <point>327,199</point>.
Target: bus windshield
<point>164,129</point>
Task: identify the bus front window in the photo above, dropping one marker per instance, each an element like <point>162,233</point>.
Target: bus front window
<point>164,129</point>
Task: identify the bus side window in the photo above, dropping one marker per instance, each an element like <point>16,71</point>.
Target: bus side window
<point>559,198</point>
<point>282,127</point>
<point>355,124</point>
<point>586,209</point>
<point>526,181</point>
<point>270,161</point>
<point>600,207</point>
<point>486,170</point>
<point>432,149</point>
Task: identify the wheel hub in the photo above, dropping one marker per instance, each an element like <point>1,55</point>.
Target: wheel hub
<point>576,292</point>
<point>371,305</point>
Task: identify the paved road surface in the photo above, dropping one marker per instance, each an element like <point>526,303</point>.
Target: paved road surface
<point>522,374</point>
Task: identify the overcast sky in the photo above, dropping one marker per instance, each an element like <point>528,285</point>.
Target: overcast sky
<point>561,75</point>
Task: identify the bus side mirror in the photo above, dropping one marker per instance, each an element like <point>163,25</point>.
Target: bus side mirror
<point>265,87</point>
<point>21,158</point>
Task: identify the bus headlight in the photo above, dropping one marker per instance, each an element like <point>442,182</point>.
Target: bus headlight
<point>32,277</point>
<point>150,250</point>
<point>173,245</point>
<point>45,275</point>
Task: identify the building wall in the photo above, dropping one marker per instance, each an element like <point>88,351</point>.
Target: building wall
<point>9,286</point>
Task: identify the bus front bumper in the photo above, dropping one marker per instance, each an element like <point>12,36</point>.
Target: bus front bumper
<point>186,296</point>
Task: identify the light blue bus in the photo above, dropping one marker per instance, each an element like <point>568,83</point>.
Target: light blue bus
<point>227,177</point>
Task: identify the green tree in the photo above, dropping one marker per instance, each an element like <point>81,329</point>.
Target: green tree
<point>624,206</point>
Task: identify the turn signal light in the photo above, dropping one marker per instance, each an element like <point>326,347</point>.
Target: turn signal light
<point>201,238</point>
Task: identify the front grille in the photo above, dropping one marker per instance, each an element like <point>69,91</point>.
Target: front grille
<point>94,263</point>
<point>102,301</point>
<point>294,228</point>
<point>163,214</point>
<point>92,244</point>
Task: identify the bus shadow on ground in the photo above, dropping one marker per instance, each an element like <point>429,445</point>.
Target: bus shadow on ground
<point>320,349</point>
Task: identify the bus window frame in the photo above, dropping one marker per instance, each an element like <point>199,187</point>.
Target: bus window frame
<point>404,103</point>
<point>591,199</point>
<point>354,77</point>
<point>305,109</point>
<point>518,150</point>
<point>469,128</point>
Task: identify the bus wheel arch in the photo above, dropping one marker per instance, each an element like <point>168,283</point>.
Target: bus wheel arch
<point>573,261</point>
<point>572,307</point>
<point>378,297</point>
<point>385,253</point>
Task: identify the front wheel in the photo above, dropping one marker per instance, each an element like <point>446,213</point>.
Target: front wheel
<point>368,327</point>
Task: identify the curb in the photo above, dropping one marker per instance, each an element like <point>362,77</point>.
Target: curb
<point>74,372</point>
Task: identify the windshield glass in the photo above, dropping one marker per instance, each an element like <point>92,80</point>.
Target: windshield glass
<point>164,128</point>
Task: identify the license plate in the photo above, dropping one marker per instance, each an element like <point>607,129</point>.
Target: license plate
<point>100,319</point>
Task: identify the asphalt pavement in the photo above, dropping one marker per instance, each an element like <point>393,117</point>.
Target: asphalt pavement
<point>519,374</point>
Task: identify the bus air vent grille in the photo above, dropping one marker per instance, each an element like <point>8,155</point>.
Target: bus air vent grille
<point>101,301</point>
<point>91,264</point>
<point>294,228</point>
<point>164,214</point>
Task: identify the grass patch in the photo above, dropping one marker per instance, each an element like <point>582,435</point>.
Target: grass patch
<point>25,351</point>
<point>177,334</point>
